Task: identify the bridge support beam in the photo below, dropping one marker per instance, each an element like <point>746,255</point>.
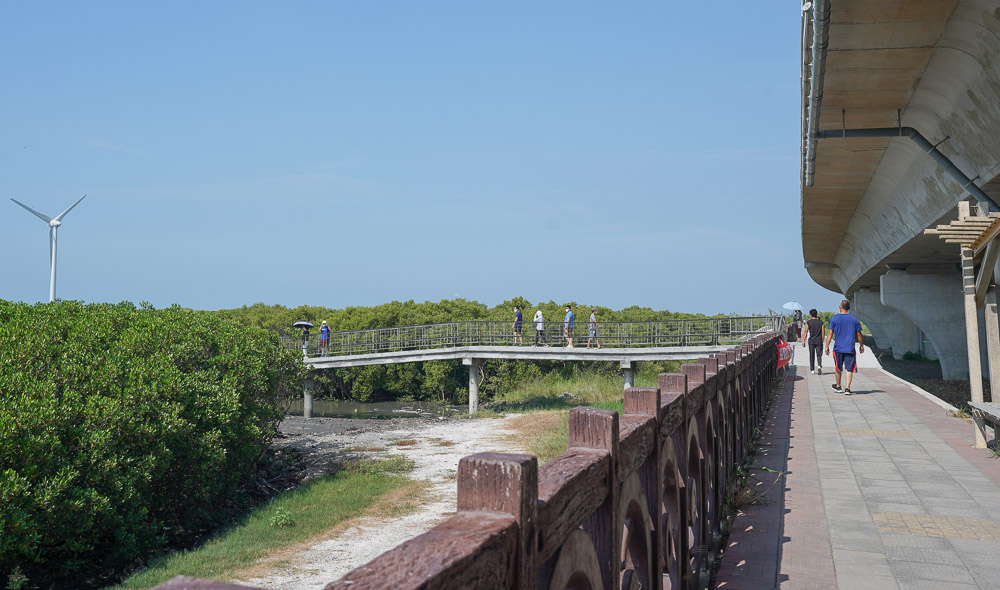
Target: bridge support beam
<point>628,368</point>
<point>307,397</point>
<point>890,328</point>
<point>935,303</point>
<point>474,367</point>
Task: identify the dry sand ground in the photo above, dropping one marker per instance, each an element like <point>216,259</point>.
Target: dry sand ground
<point>436,447</point>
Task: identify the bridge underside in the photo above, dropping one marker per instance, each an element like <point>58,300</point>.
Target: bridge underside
<point>933,66</point>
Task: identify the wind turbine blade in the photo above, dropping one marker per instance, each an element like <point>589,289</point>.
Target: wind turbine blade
<point>44,218</point>
<point>63,214</point>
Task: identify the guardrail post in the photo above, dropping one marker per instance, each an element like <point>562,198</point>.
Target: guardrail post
<point>590,428</point>
<point>508,484</point>
<point>474,366</point>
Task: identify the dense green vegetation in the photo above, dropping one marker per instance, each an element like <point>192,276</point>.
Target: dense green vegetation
<point>444,381</point>
<point>123,430</point>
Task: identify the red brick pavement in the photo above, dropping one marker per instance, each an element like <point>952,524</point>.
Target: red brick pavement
<point>783,542</point>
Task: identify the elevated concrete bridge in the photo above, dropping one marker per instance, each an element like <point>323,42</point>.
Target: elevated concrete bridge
<point>900,123</point>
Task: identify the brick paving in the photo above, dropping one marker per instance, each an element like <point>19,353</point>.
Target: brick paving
<point>881,490</point>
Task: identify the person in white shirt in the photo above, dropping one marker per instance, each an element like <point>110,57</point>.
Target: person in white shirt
<point>539,328</point>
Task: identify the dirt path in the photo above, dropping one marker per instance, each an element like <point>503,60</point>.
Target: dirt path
<point>436,447</point>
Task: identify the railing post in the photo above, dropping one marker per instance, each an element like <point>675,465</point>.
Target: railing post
<point>645,403</point>
<point>598,429</point>
<point>508,484</point>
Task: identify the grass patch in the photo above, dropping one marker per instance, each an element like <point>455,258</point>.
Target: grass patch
<point>557,392</point>
<point>289,519</point>
<point>547,432</point>
<point>409,442</point>
<point>362,449</point>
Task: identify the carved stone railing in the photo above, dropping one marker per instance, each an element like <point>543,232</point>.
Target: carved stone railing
<point>635,499</point>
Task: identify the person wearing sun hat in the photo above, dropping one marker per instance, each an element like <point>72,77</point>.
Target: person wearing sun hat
<point>324,339</point>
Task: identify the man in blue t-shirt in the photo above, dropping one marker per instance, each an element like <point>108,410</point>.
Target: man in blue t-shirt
<point>516,326</point>
<point>845,330</point>
<point>568,326</point>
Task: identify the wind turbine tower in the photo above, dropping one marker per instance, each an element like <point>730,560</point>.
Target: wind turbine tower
<point>53,223</point>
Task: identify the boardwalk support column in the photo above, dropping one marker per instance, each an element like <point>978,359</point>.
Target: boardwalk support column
<point>307,397</point>
<point>628,368</point>
<point>993,340</point>
<point>972,339</point>
<point>474,366</point>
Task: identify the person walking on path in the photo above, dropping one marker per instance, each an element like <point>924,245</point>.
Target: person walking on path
<point>813,337</point>
<point>845,330</point>
<point>518,320</point>
<point>797,322</point>
<point>324,339</point>
<point>539,328</point>
<point>592,328</point>
<point>568,326</point>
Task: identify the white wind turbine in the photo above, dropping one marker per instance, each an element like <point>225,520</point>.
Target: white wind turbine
<point>53,223</point>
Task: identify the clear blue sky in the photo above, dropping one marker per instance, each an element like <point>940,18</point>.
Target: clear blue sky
<point>352,153</point>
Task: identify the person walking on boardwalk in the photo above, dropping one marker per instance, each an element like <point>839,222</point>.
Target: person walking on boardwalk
<point>797,322</point>
<point>518,321</point>
<point>539,320</point>
<point>324,339</point>
<point>813,337</point>
<point>592,327</point>
<point>845,330</point>
<point>568,326</point>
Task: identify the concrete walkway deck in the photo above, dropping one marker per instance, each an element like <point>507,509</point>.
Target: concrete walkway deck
<point>881,490</point>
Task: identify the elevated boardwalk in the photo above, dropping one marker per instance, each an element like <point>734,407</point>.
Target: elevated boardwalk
<point>474,342</point>
<point>881,490</point>
<point>626,356</point>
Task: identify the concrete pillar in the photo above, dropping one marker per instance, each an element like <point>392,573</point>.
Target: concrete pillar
<point>993,343</point>
<point>972,338</point>
<point>628,368</point>
<point>474,366</point>
<point>890,328</point>
<point>934,303</point>
<point>307,398</point>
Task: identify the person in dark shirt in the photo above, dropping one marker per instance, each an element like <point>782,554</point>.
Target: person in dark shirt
<point>518,322</point>
<point>813,337</point>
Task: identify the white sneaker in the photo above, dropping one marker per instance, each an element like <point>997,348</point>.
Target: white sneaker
<point>812,371</point>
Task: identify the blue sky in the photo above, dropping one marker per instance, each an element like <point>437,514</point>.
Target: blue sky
<point>348,153</point>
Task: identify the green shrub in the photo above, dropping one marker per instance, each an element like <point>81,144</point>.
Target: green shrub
<point>122,429</point>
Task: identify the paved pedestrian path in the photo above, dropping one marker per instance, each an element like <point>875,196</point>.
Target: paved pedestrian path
<point>878,490</point>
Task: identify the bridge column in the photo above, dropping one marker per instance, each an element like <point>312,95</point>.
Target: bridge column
<point>628,368</point>
<point>307,397</point>
<point>935,303</point>
<point>474,366</point>
<point>889,328</point>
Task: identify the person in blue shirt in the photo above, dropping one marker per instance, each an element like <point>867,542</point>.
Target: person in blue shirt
<point>568,327</point>
<point>518,319</point>
<point>324,339</point>
<point>845,330</point>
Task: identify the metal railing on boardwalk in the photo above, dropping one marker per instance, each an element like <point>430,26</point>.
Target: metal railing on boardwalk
<point>723,331</point>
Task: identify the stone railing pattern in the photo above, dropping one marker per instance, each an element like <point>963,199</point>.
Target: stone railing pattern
<point>635,499</point>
